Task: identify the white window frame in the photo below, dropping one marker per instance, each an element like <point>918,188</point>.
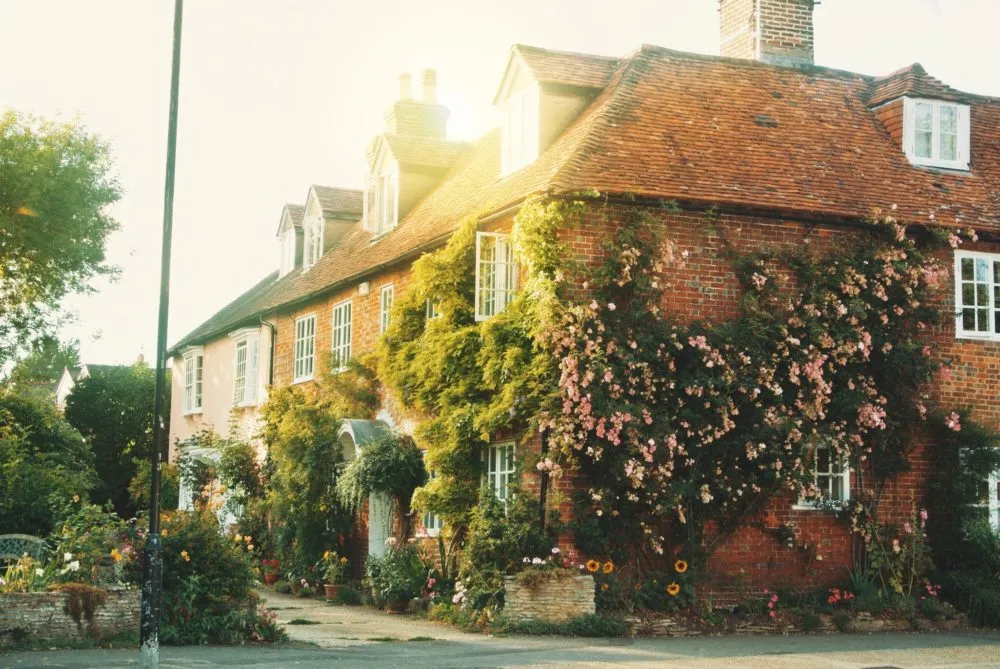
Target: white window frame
<point>304,349</point>
<point>992,305</point>
<point>827,502</point>
<point>519,129</point>
<point>386,297</point>
<point>341,334</point>
<point>494,298</point>
<point>498,476</point>
<point>313,241</point>
<point>961,161</point>
<point>992,504</point>
<point>194,379</point>
<point>431,522</point>
<point>432,309</point>
<point>245,371</point>
<point>384,189</point>
<point>287,252</point>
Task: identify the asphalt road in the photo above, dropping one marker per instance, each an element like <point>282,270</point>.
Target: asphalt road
<point>841,651</point>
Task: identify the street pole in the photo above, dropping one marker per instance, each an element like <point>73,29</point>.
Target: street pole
<point>152,570</point>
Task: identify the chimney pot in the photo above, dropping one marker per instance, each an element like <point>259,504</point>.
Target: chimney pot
<point>429,84</point>
<point>405,91</point>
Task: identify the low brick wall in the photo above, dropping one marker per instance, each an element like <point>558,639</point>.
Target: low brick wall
<point>47,615</point>
<point>557,600</point>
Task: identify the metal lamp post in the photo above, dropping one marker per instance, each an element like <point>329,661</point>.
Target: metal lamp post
<point>152,570</point>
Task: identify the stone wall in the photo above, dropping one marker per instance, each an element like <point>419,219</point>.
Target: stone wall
<point>557,600</point>
<point>46,615</point>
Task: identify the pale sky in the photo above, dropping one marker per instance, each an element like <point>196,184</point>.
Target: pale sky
<point>276,96</point>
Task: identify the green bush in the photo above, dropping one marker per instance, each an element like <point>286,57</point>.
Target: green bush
<point>208,584</point>
<point>842,621</point>
<point>170,481</point>
<point>100,545</point>
<point>398,575</point>
<point>809,621</point>
<point>977,594</point>
<point>589,625</point>
<point>348,595</point>
<point>305,591</point>
<point>42,459</point>
<point>283,587</point>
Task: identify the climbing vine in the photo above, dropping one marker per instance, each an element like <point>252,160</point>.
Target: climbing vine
<point>670,423</point>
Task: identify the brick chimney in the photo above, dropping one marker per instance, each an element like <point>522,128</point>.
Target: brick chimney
<point>418,118</point>
<point>771,31</point>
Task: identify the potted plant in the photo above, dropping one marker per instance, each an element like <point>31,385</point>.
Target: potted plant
<point>270,568</point>
<point>332,569</point>
<point>397,576</point>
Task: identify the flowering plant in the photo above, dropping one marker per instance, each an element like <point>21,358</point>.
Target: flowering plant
<point>537,570</point>
<point>270,566</point>
<point>898,556</point>
<point>332,567</point>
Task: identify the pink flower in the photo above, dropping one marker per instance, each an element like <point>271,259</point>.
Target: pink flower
<point>953,422</point>
<point>611,306</point>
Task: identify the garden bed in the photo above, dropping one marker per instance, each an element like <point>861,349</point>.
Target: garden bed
<point>95,614</point>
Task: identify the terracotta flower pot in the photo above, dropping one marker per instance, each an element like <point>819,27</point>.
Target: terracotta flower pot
<point>270,579</point>
<point>332,590</point>
<point>398,606</point>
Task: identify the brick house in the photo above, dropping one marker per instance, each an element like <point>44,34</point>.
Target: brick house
<point>784,151</point>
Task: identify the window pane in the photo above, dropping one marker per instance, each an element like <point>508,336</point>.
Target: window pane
<point>969,294</point>
<point>822,460</point>
<point>949,119</point>
<point>925,116</point>
<point>982,270</point>
<point>982,320</point>
<point>968,265</point>
<point>948,149</point>
<point>996,321</point>
<point>837,488</point>
<point>996,272</point>
<point>982,295</point>
<point>969,319</point>
<point>922,144</point>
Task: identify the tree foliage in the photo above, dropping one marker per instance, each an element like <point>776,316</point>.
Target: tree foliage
<point>43,459</point>
<point>113,409</point>
<point>54,221</point>
<point>45,362</point>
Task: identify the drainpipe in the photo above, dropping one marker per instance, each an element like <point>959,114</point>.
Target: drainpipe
<point>270,360</point>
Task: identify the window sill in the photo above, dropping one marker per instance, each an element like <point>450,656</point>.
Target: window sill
<point>247,405</point>
<point>830,507</point>
<point>193,412</point>
<point>975,336</point>
<point>939,164</point>
<point>304,379</point>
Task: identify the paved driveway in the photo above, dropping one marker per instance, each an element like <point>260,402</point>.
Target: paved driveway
<point>358,638</point>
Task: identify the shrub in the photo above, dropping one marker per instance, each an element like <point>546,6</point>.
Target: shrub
<point>842,621</point>
<point>588,625</point>
<point>933,608</point>
<point>809,621</point>
<point>208,584</point>
<point>391,465</point>
<point>976,594</point>
<point>348,595</point>
<point>283,587</point>
<point>42,457</point>
<point>397,575</point>
<point>305,591</point>
<point>93,544</point>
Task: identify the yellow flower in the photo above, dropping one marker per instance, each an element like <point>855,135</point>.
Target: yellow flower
<point>163,533</point>
<point>609,567</point>
<point>248,538</point>
<point>76,498</point>
<point>116,554</point>
<point>673,589</point>
<point>343,560</point>
<point>326,555</point>
<point>680,566</point>
<point>250,548</point>
<point>237,538</point>
<point>184,554</point>
<point>593,566</point>
<point>604,587</point>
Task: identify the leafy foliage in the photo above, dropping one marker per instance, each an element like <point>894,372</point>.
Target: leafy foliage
<point>170,480</point>
<point>45,362</point>
<point>391,465</point>
<point>113,409</point>
<point>42,458</point>
<point>54,221</point>
<point>398,575</point>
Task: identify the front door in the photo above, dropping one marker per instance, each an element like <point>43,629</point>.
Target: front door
<point>379,522</point>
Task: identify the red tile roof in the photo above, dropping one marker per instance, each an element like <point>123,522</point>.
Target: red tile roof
<point>339,202</point>
<point>566,67</point>
<point>796,141</point>
<point>423,151</point>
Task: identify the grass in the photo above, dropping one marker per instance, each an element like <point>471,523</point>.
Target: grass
<point>303,621</point>
<point>421,638</point>
<point>282,608</point>
<point>383,638</point>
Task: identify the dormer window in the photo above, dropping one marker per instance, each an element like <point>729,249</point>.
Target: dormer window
<point>313,241</point>
<point>287,252</point>
<point>936,133</point>
<point>382,206</point>
<point>519,130</point>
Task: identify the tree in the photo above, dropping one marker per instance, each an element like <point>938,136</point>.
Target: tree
<point>54,221</point>
<point>113,409</point>
<point>45,362</point>
<point>41,457</point>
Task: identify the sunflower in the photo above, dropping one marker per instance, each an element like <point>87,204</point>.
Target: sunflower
<point>638,586</point>
<point>326,555</point>
<point>608,567</point>
<point>593,566</point>
<point>673,589</point>
<point>680,566</point>
<point>604,587</point>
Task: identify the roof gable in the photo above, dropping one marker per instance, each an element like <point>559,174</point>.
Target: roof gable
<point>545,66</point>
<point>291,216</point>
